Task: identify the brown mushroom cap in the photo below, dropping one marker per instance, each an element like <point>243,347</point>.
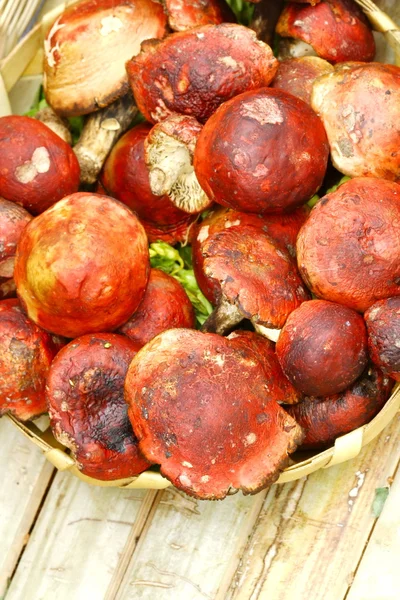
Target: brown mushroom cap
<point>183,15</point>
<point>198,406</point>
<point>13,220</point>
<point>297,75</point>
<point>26,352</point>
<point>325,419</point>
<point>165,305</point>
<point>37,167</point>
<point>348,251</point>
<point>322,347</point>
<point>360,107</point>
<point>336,29</point>
<point>82,266</point>
<point>193,72</point>
<point>88,413</point>
<point>263,151</point>
<point>383,324</point>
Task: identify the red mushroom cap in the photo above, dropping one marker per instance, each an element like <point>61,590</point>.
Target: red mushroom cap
<point>263,151</point>
<point>383,324</point>
<point>183,15</point>
<point>297,75</point>
<point>37,167</point>
<point>82,266</point>
<point>198,406</point>
<point>88,413</point>
<point>13,220</point>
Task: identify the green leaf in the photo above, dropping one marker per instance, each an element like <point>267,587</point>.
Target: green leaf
<point>313,201</point>
<point>243,11</point>
<point>381,495</point>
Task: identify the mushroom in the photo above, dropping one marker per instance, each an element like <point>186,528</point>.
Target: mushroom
<point>264,19</point>
<point>263,151</point>
<point>193,72</point>
<point>198,405</point>
<point>82,266</point>
<point>88,413</point>
<point>26,352</point>
<point>297,75</point>
<point>58,125</point>
<point>165,305</point>
<point>383,325</point>
<point>322,348</point>
<point>13,220</point>
<point>325,419</point>
<point>335,30</point>
<point>359,105</point>
<point>126,177</point>
<point>348,251</point>
<point>37,167</point>
<point>183,15</point>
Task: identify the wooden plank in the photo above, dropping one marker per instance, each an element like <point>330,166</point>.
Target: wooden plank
<point>311,533</point>
<point>378,575</point>
<point>76,542</point>
<point>24,476</point>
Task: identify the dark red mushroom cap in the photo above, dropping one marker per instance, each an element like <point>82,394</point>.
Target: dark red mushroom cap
<point>82,266</point>
<point>183,15</point>
<point>37,167</point>
<point>348,251</point>
<point>165,305</point>
<point>297,75</point>
<point>26,352</point>
<point>383,325</point>
<point>193,72</point>
<point>336,29</point>
<point>263,151</point>
<point>88,413</point>
<point>322,347</point>
<point>198,406</point>
<point>325,419</point>
<point>13,220</point>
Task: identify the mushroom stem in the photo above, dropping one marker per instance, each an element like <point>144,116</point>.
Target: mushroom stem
<point>265,18</point>
<point>271,334</point>
<point>292,48</point>
<point>224,317</point>
<point>57,124</point>
<point>102,129</point>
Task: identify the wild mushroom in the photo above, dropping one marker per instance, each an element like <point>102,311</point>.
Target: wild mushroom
<point>325,419</point>
<point>82,266</point>
<point>335,30</point>
<point>13,220</point>
<point>297,75</point>
<point>383,325</point>
<point>198,405</point>
<point>126,177</point>
<point>183,15</point>
<point>264,19</point>
<point>193,72</point>
<point>37,167</point>
<point>165,305</point>
<point>88,413</point>
<point>360,108</point>
<point>263,151</point>
<point>348,251</point>
<point>322,348</point>
<point>26,352</point>
<point>58,125</point>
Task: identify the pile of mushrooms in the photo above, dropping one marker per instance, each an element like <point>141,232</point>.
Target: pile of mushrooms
<point>303,344</point>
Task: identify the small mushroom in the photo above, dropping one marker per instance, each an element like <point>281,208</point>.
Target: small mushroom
<point>193,72</point>
<point>37,167</point>
<point>348,250</point>
<point>383,325</point>
<point>198,405</point>
<point>297,75</point>
<point>13,220</point>
<point>26,352</point>
<point>263,151</point>
<point>82,266</point>
<point>325,419</point>
<point>88,413</point>
<point>183,15</point>
<point>322,347</point>
<point>165,305</point>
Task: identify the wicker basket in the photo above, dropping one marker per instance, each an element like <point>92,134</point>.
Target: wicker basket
<point>20,77</point>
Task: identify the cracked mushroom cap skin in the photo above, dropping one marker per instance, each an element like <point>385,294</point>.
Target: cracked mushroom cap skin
<point>165,305</point>
<point>183,15</point>
<point>359,105</point>
<point>283,229</point>
<point>26,352</point>
<point>107,33</point>
<point>193,72</point>
<point>297,75</point>
<point>198,406</point>
<point>254,274</point>
<point>263,151</point>
<point>125,176</point>
<point>82,266</point>
<point>383,325</point>
<point>325,419</point>
<point>13,220</point>
<point>348,251</point>
<point>322,348</point>
<point>337,30</point>
<point>37,167</point>
<point>88,413</point>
